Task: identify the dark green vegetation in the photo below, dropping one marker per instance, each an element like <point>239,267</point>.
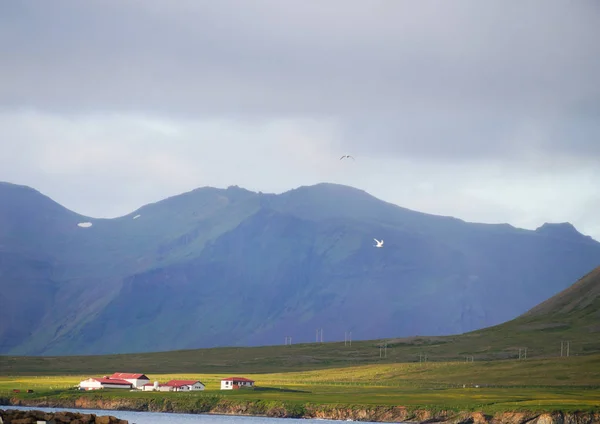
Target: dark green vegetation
<point>231,267</point>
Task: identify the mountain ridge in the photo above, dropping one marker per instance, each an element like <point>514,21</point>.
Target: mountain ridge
<point>247,267</point>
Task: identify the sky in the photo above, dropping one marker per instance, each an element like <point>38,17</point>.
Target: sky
<point>486,111</point>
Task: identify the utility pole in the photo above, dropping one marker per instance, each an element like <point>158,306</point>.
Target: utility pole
<point>347,338</point>
<point>321,335</point>
<point>561,348</point>
<point>565,348</point>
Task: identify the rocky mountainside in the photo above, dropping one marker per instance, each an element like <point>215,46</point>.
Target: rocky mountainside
<point>233,267</point>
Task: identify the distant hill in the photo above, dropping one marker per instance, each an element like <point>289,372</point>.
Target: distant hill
<point>216,267</point>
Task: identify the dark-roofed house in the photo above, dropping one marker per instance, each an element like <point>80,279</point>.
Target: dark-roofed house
<point>137,380</point>
<point>233,383</point>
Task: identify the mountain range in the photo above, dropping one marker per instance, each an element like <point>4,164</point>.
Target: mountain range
<point>215,267</point>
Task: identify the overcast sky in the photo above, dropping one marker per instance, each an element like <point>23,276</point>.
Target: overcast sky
<point>484,110</point>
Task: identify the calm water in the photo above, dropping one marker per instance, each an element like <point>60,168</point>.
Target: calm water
<point>164,418</point>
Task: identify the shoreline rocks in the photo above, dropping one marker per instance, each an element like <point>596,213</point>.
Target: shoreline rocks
<point>283,410</point>
<point>17,416</point>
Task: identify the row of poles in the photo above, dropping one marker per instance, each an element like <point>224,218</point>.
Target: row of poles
<point>565,347</point>
<point>319,338</point>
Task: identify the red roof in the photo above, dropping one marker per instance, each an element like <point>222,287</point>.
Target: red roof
<point>129,375</point>
<point>111,381</point>
<point>238,379</point>
<point>179,383</point>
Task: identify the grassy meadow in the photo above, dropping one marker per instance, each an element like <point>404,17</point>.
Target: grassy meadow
<point>534,384</point>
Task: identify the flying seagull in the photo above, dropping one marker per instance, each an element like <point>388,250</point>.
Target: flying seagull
<point>379,243</point>
<point>347,156</point>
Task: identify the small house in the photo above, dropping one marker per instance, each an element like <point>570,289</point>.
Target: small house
<point>174,386</point>
<point>104,383</point>
<point>155,387</point>
<point>137,380</point>
<point>185,385</point>
<point>234,383</point>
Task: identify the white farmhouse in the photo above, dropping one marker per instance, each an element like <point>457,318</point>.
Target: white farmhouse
<point>185,385</point>
<point>104,383</point>
<point>137,380</point>
<point>234,383</point>
<point>175,386</point>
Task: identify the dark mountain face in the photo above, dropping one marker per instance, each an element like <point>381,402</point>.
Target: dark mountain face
<point>231,267</point>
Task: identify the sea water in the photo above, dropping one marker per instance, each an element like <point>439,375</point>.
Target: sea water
<point>165,417</point>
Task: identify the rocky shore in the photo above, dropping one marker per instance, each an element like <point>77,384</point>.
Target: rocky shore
<point>15,416</point>
<point>288,410</point>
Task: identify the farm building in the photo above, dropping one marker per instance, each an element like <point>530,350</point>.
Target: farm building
<point>104,383</point>
<point>234,383</point>
<point>175,386</point>
<point>137,380</point>
<point>155,387</point>
<point>185,385</point>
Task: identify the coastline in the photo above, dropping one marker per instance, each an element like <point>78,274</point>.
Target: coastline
<point>277,409</point>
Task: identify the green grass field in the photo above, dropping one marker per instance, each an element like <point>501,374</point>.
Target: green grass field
<point>565,383</point>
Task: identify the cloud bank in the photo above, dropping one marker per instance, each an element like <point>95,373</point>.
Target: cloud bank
<point>488,111</point>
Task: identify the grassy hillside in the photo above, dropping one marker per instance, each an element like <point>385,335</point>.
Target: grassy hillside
<point>578,305</point>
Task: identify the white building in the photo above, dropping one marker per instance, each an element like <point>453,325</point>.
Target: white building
<point>137,380</point>
<point>104,383</point>
<point>175,386</point>
<point>149,387</point>
<point>234,383</point>
<point>185,385</point>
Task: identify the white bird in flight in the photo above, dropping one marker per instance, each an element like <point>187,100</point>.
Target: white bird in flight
<point>379,243</point>
<point>347,156</point>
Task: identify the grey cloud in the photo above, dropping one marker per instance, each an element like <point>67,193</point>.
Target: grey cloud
<point>447,80</point>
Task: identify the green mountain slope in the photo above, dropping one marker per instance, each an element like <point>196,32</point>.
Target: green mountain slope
<point>577,308</point>
<point>215,267</point>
